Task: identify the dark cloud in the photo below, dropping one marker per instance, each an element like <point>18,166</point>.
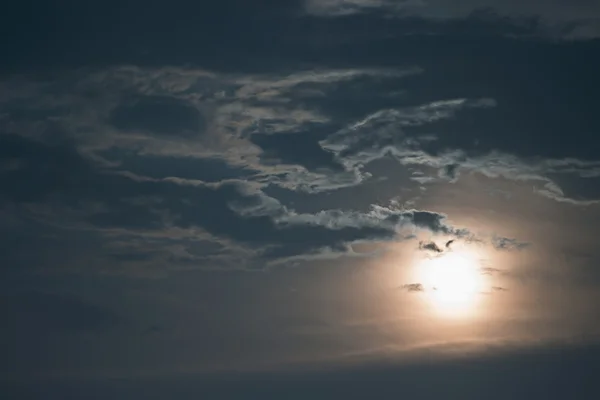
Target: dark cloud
<point>435,223</point>
<point>432,246</point>
<point>81,195</point>
<point>413,287</point>
<point>578,18</point>
<point>450,172</point>
<point>503,243</point>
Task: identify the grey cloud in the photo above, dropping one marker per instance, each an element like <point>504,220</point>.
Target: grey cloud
<point>432,246</point>
<point>450,172</point>
<point>383,132</point>
<point>341,8</point>
<point>392,220</point>
<point>176,112</point>
<point>210,170</point>
<point>503,243</point>
<point>554,192</point>
<point>260,141</point>
<point>492,164</point>
<point>266,86</point>
<point>580,18</point>
<point>413,287</point>
<point>125,209</point>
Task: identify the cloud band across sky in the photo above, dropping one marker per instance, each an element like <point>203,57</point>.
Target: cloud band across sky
<point>188,162</point>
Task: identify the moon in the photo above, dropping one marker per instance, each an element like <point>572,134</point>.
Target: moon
<point>452,282</point>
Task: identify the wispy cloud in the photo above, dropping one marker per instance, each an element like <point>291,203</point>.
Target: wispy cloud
<point>574,19</point>
<point>202,169</point>
<point>503,243</point>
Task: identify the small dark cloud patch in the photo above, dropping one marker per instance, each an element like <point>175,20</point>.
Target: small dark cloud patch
<point>413,287</point>
<point>431,246</point>
<point>159,115</point>
<point>499,289</point>
<point>450,172</point>
<point>503,243</point>
<point>434,222</point>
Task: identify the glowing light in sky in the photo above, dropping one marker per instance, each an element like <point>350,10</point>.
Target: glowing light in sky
<point>452,282</point>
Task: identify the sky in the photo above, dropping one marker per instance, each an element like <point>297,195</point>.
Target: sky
<point>300,198</point>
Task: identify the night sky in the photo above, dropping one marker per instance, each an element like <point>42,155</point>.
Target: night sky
<point>297,199</point>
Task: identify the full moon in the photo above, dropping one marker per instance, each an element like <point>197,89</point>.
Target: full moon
<point>452,282</point>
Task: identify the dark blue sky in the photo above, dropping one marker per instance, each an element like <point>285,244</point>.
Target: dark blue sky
<point>267,199</point>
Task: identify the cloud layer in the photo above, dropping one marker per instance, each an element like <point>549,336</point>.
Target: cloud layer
<point>198,168</point>
<point>580,18</point>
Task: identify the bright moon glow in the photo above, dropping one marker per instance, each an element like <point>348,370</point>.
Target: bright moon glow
<point>452,282</point>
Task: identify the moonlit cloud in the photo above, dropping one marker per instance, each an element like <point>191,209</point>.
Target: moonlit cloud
<point>205,144</point>
<point>579,18</point>
<point>167,123</point>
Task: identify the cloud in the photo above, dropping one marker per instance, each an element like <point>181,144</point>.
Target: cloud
<point>397,133</point>
<point>413,287</point>
<point>254,125</point>
<point>503,243</point>
<point>579,18</point>
<point>144,220</point>
<point>489,270</point>
<point>194,168</point>
<point>450,172</point>
<point>389,218</point>
<point>383,133</point>
<point>430,246</point>
<point>554,192</point>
